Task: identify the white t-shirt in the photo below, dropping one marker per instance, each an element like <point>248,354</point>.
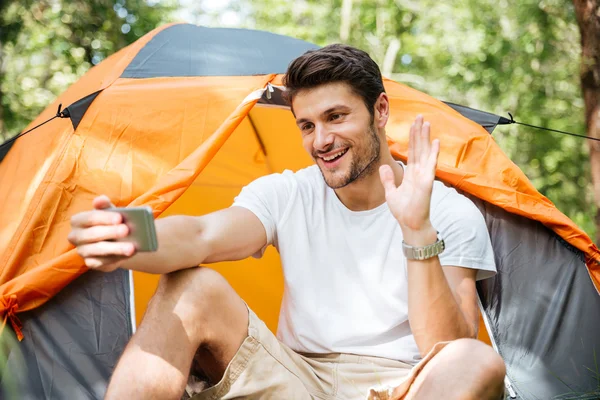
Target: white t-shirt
<point>344,271</point>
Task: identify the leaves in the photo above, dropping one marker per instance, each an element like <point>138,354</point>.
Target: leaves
<point>47,45</point>
<point>498,56</point>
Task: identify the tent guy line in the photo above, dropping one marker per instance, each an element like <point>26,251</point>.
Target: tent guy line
<point>502,121</point>
<point>512,121</point>
<point>59,114</point>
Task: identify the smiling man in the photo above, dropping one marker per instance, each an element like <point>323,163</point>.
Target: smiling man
<point>380,263</point>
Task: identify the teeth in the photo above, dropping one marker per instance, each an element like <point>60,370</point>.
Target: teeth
<point>334,155</point>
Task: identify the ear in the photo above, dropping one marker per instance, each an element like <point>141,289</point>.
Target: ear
<point>382,110</point>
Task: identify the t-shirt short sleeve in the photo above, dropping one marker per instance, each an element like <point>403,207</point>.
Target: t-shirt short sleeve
<point>463,228</point>
<point>268,197</point>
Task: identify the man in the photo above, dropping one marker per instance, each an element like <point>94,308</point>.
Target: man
<point>380,263</point>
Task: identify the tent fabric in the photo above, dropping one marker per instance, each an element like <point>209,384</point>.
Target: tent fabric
<point>545,329</point>
<point>99,158</point>
<point>32,162</point>
<point>188,144</point>
<point>73,341</point>
<point>190,50</point>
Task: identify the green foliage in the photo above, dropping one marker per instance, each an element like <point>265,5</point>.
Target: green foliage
<point>498,56</point>
<point>9,349</point>
<point>49,44</point>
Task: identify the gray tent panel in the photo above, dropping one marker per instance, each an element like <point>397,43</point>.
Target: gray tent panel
<point>542,309</point>
<point>72,343</point>
<point>190,50</point>
<point>485,119</point>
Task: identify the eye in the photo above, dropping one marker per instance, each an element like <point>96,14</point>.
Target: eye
<point>334,117</point>
<point>306,127</point>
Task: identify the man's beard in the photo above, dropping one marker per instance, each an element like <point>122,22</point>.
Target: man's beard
<point>362,164</point>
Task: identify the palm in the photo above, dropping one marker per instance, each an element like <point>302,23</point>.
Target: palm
<point>410,202</point>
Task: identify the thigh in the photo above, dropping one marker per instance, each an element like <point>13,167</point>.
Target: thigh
<point>200,304</point>
<point>264,368</point>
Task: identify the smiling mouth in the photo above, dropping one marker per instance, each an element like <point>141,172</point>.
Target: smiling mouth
<point>334,157</point>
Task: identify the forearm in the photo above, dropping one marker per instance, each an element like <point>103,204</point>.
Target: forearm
<point>433,310</point>
<point>180,246</point>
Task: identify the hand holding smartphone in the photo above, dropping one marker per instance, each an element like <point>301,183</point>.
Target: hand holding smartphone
<point>142,230</point>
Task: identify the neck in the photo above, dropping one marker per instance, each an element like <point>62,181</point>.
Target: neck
<point>367,192</point>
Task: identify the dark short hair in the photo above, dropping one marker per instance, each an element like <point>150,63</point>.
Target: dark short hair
<point>335,63</point>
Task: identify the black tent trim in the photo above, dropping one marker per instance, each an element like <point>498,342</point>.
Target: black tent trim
<point>77,110</point>
<point>488,120</point>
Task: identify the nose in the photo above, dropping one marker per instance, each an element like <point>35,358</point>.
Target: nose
<point>323,138</point>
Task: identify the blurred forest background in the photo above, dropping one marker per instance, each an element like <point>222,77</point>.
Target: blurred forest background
<point>500,56</point>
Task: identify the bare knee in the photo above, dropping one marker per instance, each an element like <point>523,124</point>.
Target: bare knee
<point>482,356</point>
<point>198,285</point>
<point>486,367</point>
<point>201,298</point>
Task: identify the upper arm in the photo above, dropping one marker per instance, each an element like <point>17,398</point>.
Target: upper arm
<point>462,284</point>
<point>469,255</point>
<point>231,234</point>
<point>247,227</point>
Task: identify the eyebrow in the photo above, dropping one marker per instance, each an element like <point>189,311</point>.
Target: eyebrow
<point>337,107</point>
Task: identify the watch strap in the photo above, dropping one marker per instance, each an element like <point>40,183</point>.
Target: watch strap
<point>423,252</point>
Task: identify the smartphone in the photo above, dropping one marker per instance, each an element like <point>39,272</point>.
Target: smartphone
<point>142,231</point>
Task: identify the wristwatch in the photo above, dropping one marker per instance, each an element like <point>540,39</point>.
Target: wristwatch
<point>425,252</point>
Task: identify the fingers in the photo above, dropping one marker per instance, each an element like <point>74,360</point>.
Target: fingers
<point>420,147</point>
<point>433,156</point>
<point>104,264</point>
<point>102,202</point>
<point>425,143</point>
<point>95,233</point>
<point>411,145</point>
<point>418,138</point>
<point>96,217</point>
<point>387,179</point>
<point>98,233</point>
<point>106,249</point>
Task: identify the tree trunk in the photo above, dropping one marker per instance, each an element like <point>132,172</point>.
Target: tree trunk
<point>588,17</point>
<point>346,19</point>
<point>2,133</point>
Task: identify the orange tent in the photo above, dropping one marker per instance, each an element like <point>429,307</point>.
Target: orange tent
<point>180,121</point>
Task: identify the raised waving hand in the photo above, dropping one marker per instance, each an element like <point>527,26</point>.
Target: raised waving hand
<point>410,202</point>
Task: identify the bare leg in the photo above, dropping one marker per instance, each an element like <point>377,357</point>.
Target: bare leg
<point>465,369</point>
<point>192,309</point>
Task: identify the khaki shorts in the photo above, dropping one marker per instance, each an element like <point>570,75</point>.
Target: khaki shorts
<point>265,368</point>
